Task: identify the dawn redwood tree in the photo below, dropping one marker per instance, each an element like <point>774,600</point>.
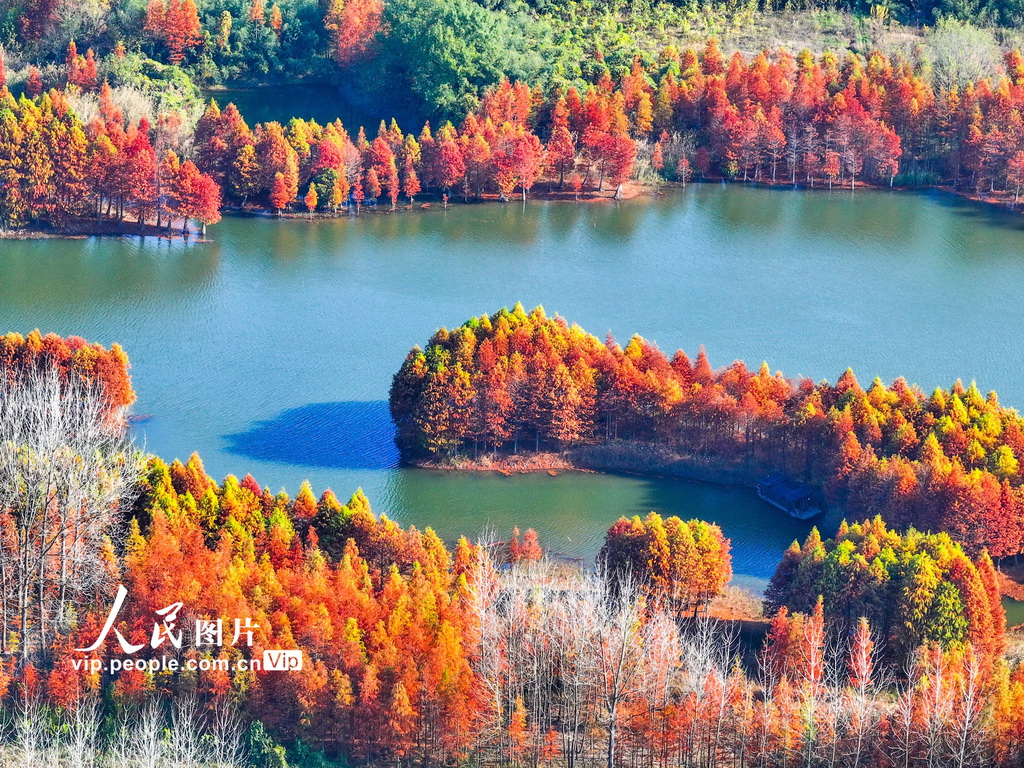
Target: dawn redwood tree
<point>527,159</point>
<point>195,196</point>
<point>1015,174</point>
<point>621,154</point>
<point>947,461</point>
<point>175,23</point>
<point>34,83</point>
<point>657,158</point>
<point>352,25</point>
<point>382,159</point>
<point>680,565</point>
<point>864,118</point>
<point>933,591</point>
<point>245,173</point>
<point>450,166</point>
<point>257,12</point>
<point>410,180</point>
<point>832,167</point>
<point>276,20</point>
<point>371,184</point>
<point>683,171</point>
<point>279,195</point>
<point>561,147</point>
<point>528,550</point>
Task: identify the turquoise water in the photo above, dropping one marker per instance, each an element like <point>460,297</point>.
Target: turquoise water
<point>271,349</point>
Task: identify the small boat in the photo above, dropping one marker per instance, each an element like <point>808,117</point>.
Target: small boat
<point>791,497</point>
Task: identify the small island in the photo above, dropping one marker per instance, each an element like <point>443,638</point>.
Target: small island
<point>525,390</point>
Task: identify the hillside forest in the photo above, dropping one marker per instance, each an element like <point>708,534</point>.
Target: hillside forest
<point>107,130</point>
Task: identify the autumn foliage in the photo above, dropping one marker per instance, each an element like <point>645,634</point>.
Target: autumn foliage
<point>483,157</point>
<point>774,117</point>
<point>56,169</point>
<point>513,381</point>
<point>71,356</point>
<point>679,564</point>
<point>351,25</point>
<point>915,589</point>
<point>175,23</point>
<point>417,652</point>
<point>380,613</point>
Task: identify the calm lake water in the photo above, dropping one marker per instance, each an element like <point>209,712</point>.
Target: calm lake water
<point>271,350</point>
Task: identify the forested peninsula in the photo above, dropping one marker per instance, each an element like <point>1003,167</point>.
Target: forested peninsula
<point>423,653</point>
<point>517,382</point>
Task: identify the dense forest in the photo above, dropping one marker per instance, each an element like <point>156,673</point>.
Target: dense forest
<point>914,588</point>
<point>405,49</point>
<point>517,381</point>
<point>420,653</point>
<point>72,357</point>
<point>117,133</point>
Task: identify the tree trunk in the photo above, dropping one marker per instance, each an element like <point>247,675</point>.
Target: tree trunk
<point>611,746</point>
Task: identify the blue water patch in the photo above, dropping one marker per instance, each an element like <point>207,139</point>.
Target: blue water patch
<point>343,435</point>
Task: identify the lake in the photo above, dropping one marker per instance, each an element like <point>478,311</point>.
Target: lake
<point>271,350</point>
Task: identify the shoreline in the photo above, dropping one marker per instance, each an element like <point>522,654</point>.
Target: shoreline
<point>83,229</point>
<point>623,458</point>
<point>1011,576</point>
<point>1011,581</point>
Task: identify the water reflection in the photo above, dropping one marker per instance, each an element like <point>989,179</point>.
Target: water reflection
<point>91,271</point>
<point>975,211</point>
<point>573,510</point>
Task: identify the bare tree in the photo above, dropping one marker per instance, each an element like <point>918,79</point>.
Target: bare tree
<point>81,740</point>
<point>147,736</point>
<point>66,464</point>
<point>185,738</point>
<point>969,714</point>
<point>938,703</point>
<point>904,720</point>
<point>226,749</point>
<point>483,597</point>
<point>31,749</point>
<point>620,655</point>
<point>573,627</point>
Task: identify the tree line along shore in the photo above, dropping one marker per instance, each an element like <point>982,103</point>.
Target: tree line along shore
<point>74,153</point>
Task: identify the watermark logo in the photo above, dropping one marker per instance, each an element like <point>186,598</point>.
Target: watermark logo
<point>206,633</point>
<point>282,661</point>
